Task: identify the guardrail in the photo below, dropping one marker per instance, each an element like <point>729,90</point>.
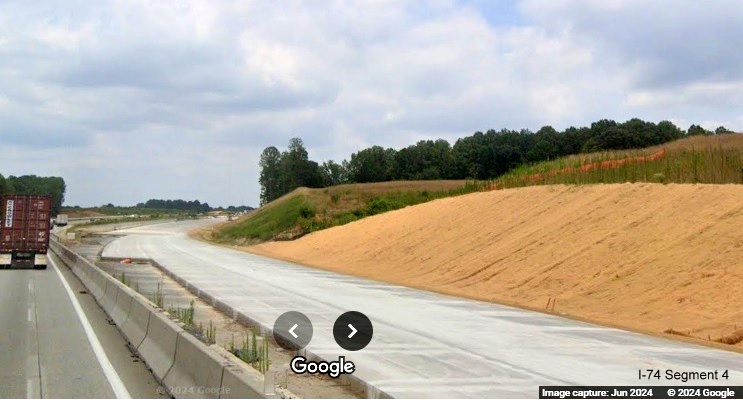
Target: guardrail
<point>185,366</point>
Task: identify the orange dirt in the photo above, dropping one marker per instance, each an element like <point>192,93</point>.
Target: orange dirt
<point>649,257</point>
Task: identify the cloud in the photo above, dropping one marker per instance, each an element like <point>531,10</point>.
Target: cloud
<point>178,98</point>
<point>662,45</point>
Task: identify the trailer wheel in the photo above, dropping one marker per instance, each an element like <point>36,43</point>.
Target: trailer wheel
<point>39,266</point>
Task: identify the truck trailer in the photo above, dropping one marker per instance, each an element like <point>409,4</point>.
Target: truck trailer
<point>61,220</point>
<point>24,233</point>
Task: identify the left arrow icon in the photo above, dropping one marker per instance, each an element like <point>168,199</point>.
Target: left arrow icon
<point>292,331</point>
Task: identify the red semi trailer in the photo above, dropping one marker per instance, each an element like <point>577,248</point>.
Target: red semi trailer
<point>24,233</point>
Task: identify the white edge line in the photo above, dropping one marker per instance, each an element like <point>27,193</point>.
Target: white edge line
<point>113,378</point>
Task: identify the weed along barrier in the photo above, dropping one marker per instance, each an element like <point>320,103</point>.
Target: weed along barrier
<point>243,342</point>
<point>248,350</point>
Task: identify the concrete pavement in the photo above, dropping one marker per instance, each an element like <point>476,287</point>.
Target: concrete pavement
<point>425,344</point>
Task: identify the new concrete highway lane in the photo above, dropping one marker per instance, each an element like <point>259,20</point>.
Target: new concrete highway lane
<point>424,344</point>
<point>45,351</point>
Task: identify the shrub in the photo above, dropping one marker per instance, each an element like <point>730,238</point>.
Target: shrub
<point>379,205</point>
<point>306,212</point>
<point>346,218</point>
<point>311,225</point>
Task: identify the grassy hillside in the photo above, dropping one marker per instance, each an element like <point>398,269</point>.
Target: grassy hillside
<point>700,159</point>
<point>307,210</point>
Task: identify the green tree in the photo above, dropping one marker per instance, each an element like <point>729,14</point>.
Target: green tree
<point>36,185</point>
<point>573,139</point>
<point>427,159</point>
<point>467,157</point>
<point>697,130</point>
<point>479,156</point>
<point>291,161</point>
<point>667,131</point>
<point>545,145</point>
<point>296,169</point>
<point>601,125</point>
<point>270,176</point>
<point>333,173</point>
<point>373,164</point>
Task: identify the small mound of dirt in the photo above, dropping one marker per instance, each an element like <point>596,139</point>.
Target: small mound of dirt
<point>675,332</point>
<point>733,338</point>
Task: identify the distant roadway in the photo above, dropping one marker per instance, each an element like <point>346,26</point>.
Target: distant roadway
<point>55,342</point>
<point>424,344</point>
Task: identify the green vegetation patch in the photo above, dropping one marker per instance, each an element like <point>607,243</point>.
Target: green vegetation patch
<point>319,209</point>
<point>268,222</point>
<point>711,160</point>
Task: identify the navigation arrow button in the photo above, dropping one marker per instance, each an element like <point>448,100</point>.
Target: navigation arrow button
<point>353,331</point>
<point>292,331</point>
<point>361,331</point>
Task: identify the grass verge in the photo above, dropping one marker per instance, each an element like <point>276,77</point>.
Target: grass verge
<point>267,223</point>
<point>309,210</point>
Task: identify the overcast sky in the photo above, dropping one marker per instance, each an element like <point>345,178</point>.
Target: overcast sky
<point>132,100</point>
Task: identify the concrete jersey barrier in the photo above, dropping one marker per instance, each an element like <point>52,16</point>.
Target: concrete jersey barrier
<point>122,307</point>
<point>158,347</point>
<point>196,373</point>
<point>108,300</point>
<point>186,366</point>
<point>137,322</point>
<point>98,283</point>
<point>239,383</point>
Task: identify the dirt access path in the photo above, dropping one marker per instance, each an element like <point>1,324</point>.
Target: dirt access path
<point>647,257</point>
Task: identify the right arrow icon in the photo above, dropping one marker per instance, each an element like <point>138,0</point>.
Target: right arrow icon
<point>353,331</point>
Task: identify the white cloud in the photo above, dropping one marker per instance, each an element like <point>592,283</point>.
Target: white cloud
<point>130,100</point>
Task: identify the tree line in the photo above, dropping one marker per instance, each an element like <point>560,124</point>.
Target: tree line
<point>479,156</point>
<point>182,205</point>
<point>35,185</point>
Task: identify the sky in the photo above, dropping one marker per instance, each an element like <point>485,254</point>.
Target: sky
<point>138,99</point>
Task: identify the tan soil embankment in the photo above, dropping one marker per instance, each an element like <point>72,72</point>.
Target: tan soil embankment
<point>642,256</point>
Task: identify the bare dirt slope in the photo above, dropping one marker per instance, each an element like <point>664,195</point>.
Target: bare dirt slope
<point>643,256</point>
